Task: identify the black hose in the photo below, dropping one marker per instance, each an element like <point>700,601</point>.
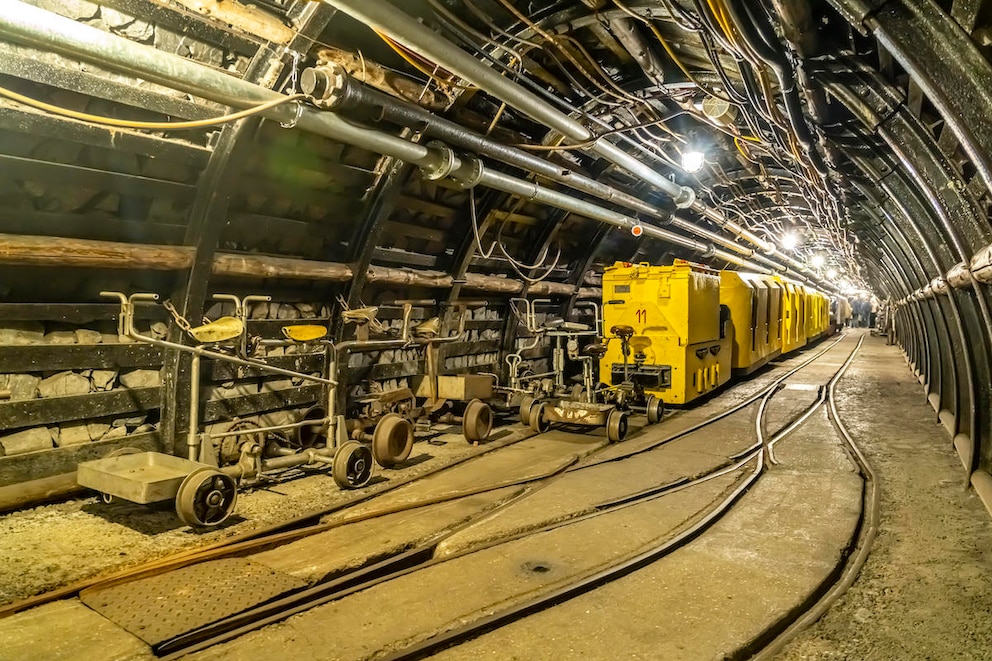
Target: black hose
<point>758,34</point>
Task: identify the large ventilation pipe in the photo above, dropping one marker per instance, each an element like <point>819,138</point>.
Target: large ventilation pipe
<point>334,89</point>
<point>404,29</point>
<point>39,28</point>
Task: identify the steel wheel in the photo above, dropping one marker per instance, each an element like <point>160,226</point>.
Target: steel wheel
<point>655,409</point>
<point>538,421</point>
<point>616,426</point>
<point>392,440</point>
<point>206,498</point>
<point>526,404</point>
<point>478,421</point>
<point>352,465</point>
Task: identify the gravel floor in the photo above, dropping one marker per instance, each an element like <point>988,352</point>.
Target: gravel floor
<point>926,589</point>
<point>55,545</point>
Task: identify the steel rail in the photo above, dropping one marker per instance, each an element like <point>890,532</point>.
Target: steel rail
<point>405,563</point>
<point>865,535</point>
<point>605,576</point>
<point>704,423</point>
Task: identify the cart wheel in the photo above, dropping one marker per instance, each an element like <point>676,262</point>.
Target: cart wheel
<point>616,426</point>
<point>526,404</point>
<point>310,435</point>
<point>538,422</point>
<point>392,440</point>
<point>478,421</point>
<point>352,465</point>
<point>206,498</point>
<point>655,409</point>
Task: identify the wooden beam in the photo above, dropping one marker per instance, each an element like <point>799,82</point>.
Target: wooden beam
<point>51,251</point>
<point>55,357</point>
<point>264,266</point>
<point>16,468</point>
<point>37,412</point>
<point>246,18</point>
<point>58,251</point>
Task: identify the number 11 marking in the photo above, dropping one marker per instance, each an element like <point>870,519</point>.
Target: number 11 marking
<point>642,316</point>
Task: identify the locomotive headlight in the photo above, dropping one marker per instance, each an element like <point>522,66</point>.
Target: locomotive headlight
<point>692,161</point>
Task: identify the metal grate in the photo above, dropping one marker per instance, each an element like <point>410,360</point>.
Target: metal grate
<point>158,608</point>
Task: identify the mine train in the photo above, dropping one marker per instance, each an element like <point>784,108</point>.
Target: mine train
<point>690,328</point>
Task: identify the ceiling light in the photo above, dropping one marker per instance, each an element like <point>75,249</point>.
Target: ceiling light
<point>832,273</point>
<point>790,241</point>
<point>817,261</point>
<point>692,161</point>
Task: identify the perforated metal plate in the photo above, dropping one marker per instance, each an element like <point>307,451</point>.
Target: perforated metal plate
<point>158,608</point>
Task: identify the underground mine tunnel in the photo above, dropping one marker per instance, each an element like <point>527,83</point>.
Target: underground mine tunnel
<point>495,329</point>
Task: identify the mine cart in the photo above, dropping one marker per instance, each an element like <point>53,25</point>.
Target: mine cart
<point>204,491</point>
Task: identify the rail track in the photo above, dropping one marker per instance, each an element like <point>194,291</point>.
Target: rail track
<point>745,456</point>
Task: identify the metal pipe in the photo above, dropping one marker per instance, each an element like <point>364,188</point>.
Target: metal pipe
<point>32,26</point>
<point>42,29</point>
<point>404,29</point>
<point>192,436</point>
<point>334,89</point>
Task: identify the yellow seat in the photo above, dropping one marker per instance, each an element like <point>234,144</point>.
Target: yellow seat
<point>304,333</point>
<point>221,330</point>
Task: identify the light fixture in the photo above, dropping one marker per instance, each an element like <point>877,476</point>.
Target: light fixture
<point>832,273</point>
<point>817,261</point>
<point>789,241</point>
<point>692,161</point>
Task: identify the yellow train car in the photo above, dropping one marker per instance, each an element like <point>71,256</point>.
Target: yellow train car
<point>755,303</point>
<point>794,301</point>
<point>681,346</point>
<point>817,314</point>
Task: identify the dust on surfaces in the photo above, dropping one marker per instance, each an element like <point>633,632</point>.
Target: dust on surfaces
<point>924,592</point>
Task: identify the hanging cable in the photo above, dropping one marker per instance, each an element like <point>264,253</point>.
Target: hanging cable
<point>153,126</point>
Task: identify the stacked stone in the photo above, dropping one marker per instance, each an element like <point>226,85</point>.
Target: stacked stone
<point>69,383</point>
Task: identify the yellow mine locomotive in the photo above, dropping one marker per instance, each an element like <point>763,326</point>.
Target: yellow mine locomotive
<point>691,327</point>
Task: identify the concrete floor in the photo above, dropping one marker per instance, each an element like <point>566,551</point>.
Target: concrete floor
<point>924,593</point>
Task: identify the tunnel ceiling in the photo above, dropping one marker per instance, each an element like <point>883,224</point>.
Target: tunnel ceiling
<point>797,109</point>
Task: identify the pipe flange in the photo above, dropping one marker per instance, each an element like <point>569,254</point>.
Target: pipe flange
<point>469,174</point>
<point>686,198</point>
<point>291,124</point>
<point>325,84</point>
<point>445,161</point>
<point>709,252</point>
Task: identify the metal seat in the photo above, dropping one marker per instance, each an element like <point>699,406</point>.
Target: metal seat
<point>596,350</point>
<point>623,332</point>
<point>304,332</point>
<point>221,330</point>
<point>360,315</point>
<point>428,328</point>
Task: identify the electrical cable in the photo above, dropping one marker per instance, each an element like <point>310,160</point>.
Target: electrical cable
<point>409,58</point>
<point>154,126</point>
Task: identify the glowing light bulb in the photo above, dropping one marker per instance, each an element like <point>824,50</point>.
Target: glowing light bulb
<point>789,241</point>
<point>832,273</point>
<point>817,261</point>
<point>692,161</point>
